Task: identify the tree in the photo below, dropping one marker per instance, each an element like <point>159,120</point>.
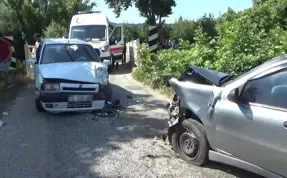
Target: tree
<point>152,10</point>
<point>131,31</point>
<point>184,29</point>
<point>34,16</point>
<point>55,30</point>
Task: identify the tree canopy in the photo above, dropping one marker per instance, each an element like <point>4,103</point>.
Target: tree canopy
<point>150,9</point>
<point>34,16</point>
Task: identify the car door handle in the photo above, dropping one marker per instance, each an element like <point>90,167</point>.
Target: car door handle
<point>285,124</point>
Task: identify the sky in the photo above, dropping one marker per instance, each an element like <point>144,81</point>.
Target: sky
<point>188,9</point>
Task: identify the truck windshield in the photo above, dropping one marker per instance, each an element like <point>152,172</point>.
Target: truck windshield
<point>89,32</point>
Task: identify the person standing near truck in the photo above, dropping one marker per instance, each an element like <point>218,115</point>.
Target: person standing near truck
<point>124,51</point>
<point>6,51</point>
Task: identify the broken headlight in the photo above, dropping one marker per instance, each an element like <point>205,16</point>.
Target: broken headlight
<point>50,87</point>
<point>103,75</point>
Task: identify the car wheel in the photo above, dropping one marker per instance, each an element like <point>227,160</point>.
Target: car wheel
<point>39,107</point>
<point>190,143</point>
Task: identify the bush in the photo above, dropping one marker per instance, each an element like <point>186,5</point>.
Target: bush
<point>245,40</point>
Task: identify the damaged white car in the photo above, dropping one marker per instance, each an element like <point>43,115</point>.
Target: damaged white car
<point>238,121</point>
<point>69,77</point>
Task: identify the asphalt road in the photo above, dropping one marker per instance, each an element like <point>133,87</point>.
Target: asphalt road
<point>42,145</point>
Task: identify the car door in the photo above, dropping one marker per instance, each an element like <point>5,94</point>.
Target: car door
<point>254,128</point>
<point>117,48</point>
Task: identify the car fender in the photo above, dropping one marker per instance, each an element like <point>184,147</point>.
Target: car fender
<point>198,98</point>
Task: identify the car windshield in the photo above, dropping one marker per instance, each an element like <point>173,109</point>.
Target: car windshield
<point>89,32</point>
<point>58,53</point>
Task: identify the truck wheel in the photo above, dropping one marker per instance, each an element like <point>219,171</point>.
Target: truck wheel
<point>39,107</point>
<point>190,142</point>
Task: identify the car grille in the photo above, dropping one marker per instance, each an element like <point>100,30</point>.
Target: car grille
<point>78,89</point>
<point>98,52</point>
<point>80,104</point>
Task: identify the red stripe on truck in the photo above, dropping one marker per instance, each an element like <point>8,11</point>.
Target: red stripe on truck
<point>117,49</point>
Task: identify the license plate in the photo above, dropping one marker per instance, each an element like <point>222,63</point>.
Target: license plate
<point>80,98</point>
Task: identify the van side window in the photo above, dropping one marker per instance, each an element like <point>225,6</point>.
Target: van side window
<point>118,33</point>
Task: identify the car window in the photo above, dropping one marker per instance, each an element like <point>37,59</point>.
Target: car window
<point>269,90</point>
<point>59,53</point>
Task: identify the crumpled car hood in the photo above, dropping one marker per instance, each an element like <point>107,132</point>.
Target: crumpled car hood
<point>91,72</point>
<point>216,78</point>
<point>198,98</point>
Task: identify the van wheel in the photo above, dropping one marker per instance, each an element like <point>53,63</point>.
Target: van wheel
<point>39,107</point>
<point>190,142</point>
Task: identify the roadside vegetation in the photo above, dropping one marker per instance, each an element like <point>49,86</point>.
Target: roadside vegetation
<point>235,43</point>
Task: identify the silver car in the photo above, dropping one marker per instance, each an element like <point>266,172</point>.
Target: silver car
<point>238,121</point>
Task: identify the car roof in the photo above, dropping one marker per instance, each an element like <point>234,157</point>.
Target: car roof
<point>63,41</point>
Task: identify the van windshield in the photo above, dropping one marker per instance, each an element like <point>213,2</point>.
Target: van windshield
<point>89,32</point>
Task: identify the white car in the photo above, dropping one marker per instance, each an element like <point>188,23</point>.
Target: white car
<point>69,76</point>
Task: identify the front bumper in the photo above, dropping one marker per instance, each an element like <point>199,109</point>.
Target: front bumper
<point>58,102</point>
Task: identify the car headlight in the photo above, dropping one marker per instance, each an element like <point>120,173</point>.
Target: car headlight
<point>50,87</point>
<point>103,75</point>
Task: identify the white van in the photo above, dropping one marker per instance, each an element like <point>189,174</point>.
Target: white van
<point>95,28</point>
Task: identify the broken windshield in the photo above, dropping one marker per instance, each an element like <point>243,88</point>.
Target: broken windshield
<point>57,53</point>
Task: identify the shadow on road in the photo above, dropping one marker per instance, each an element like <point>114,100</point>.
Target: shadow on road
<point>91,141</point>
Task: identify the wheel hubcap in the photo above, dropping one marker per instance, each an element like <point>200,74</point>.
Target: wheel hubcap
<point>188,144</point>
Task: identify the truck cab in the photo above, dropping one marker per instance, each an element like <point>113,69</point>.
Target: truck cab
<point>95,28</point>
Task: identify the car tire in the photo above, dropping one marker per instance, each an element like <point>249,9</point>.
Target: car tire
<point>190,143</point>
<point>39,107</point>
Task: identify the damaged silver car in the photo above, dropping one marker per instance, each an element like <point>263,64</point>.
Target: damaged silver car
<point>69,76</point>
<point>239,121</point>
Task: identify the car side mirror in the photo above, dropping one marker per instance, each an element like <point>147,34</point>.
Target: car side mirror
<point>31,61</point>
<point>234,95</point>
<point>112,40</point>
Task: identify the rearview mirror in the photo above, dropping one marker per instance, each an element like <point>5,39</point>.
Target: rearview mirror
<point>234,95</point>
<point>31,61</point>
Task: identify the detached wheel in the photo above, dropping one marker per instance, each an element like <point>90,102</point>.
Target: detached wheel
<point>39,107</point>
<point>190,143</point>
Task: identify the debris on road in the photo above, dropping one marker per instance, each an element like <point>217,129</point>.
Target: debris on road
<point>5,113</point>
<point>110,111</point>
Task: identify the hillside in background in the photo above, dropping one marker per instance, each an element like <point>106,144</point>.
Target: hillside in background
<point>139,25</point>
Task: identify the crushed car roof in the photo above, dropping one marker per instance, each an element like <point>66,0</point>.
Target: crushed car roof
<point>63,41</point>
